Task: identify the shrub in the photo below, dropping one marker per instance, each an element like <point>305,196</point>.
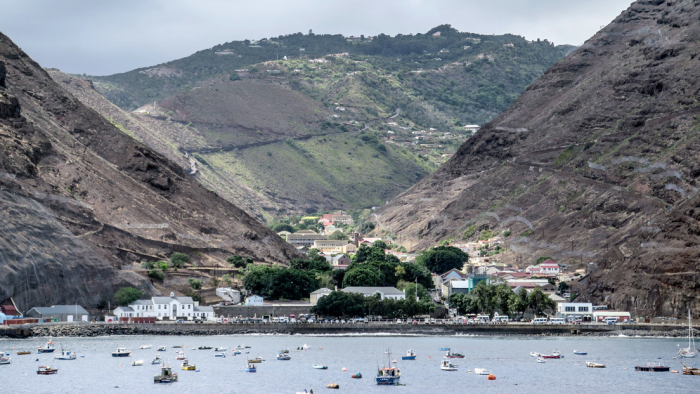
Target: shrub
<point>195,284</point>
<point>156,274</point>
<point>127,295</point>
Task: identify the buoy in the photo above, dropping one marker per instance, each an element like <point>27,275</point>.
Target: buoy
<point>120,365</point>
<point>344,369</point>
<point>674,371</point>
<point>491,377</point>
<point>333,386</point>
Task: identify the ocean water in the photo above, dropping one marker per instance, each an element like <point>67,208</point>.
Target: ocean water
<point>506,357</point>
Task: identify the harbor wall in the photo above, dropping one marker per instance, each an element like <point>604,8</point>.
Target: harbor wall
<point>259,311</point>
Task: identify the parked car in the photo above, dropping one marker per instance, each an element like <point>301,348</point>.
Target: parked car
<point>539,320</point>
<point>180,321</point>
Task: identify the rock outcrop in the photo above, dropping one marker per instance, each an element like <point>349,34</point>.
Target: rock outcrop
<point>82,202</point>
<point>596,165</point>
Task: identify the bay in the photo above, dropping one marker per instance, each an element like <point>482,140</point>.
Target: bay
<point>506,357</point>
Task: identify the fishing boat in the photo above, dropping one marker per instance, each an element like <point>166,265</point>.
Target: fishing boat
<point>48,348</point>
<point>221,354</point>
<point>319,366</point>
<point>652,367</point>
<point>580,353</point>
<point>446,365</point>
<point>591,364</point>
<point>166,375</point>
<point>23,352</point>
<point>180,355</point>
<point>145,347</point>
<point>283,356</point>
<point>356,375</point>
<point>46,370</point>
<point>387,376</point>
<point>66,355</point>
<point>220,349</point>
<point>156,359</point>
<point>205,348</point>
<point>444,349</point>
<point>186,366</point>
<point>451,354</point>
<point>161,348</point>
<point>250,367</point>
<point>236,352</point>
<point>690,351</point>
<point>137,363</point>
<point>535,354</point>
<point>690,370</point>
<point>482,371</point>
<point>284,351</point>
<point>410,355</point>
<point>255,360</point>
<point>555,354</point>
<point>242,347</point>
<point>121,352</point>
<point>4,360</point>
<point>540,360</point>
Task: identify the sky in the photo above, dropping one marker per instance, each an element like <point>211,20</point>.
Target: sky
<point>106,37</point>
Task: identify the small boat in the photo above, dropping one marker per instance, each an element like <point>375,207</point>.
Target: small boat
<point>304,347</point>
<point>220,349</point>
<point>66,355</point>
<point>591,364</point>
<point>451,354</point>
<point>580,353</point>
<point>177,347</point>
<point>180,355</point>
<point>250,367</point>
<point>166,375</point>
<point>555,354</point>
<point>535,354</point>
<point>205,348</point>
<point>540,360</point>
<point>46,370</point>
<point>491,377</point>
<point>186,366</point>
<point>121,352</point>
<point>410,355</point>
<point>137,363</point>
<point>283,356</point>
<point>236,352</point>
<point>690,351</point>
<point>156,359</point>
<point>446,365</point>
<point>444,349</point>
<point>161,348</point>
<point>388,376</point>
<point>145,347</point>
<point>5,360</point>
<point>356,375</point>
<point>319,366</point>
<point>652,367</point>
<point>242,347</point>
<point>48,348</point>
<point>23,352</point>
<point>332,386</point>
<point>690,370</point>
<point>222,354</point>
<point>482,371</point>
<point>255,360</point>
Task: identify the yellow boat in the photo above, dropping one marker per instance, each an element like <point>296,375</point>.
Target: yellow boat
<point>255,360</point>
<point>186,366</point>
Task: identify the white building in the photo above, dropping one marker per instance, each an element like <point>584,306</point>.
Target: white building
<point>254,300</point>
<point>168,308</point>
<point>620,316</point>
<point>575,309</point>
<point>384,292</point>
<point>318,294</point>
<point>229,294</point>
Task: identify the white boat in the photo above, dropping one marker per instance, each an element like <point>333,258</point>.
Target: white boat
<point>145,347</point>
<point>137,363</point>
<point>319,366</point>
<point>180,355</point>
<point>4,360</point>
<point>157,359</point>
<point>221,354</point>
<point>690,351</point>
<point>540,360</point>
<point>591,364</point>
<point>446,365</point>
<point>161,348</point>
<point>66,355</point>
<point>121,352</point>
<point>535,354</point>
<point>220,349</point>
<point>482,371</point>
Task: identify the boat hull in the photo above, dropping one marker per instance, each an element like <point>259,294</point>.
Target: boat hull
<point>250,370</point>
<point>121,354</point>
<point>46,350</point>
<point>408,357</point>
<point>652,369</point>
<point>551,357</point>
<point>387,380</point>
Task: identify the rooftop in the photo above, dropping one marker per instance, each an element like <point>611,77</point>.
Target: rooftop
<point>61,310</point>
<point>372,290</point>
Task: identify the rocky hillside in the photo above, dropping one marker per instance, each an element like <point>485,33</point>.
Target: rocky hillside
<point>596,162</point>
<point>81,199</point>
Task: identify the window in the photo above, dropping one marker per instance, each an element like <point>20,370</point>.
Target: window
<point>583,309</point>
<point>570,309</point>
<point>189,306</point>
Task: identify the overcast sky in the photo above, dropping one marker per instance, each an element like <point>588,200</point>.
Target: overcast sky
<point>106,37</point>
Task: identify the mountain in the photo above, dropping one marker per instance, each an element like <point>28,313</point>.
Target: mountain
<point>595,164</point>
<point>389,110</point>
<point>83,203</point>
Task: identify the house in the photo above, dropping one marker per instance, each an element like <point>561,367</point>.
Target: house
<point>61,312</point>
<point>229,294</point>
<point>284,234</point>
<point>165,308</point>
<point>9,311</point>
<point>603,314</point>
<point>531,284</point>
<point>305,239</point>
<point>340,261</point>
<point>549,268</point>
<point>472,128</point>
<point>533,270</point>
<point>318,294</point>
<point>575,309</point>
<point>254,300</point>
<point>384,292</point>
<point>334,246</point>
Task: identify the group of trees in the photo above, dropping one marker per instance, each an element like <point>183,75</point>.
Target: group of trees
<point>441,259</point>
<point>158,269</point>
<point>341,304</point>
<point>488,299</point>
<point>371,266</point>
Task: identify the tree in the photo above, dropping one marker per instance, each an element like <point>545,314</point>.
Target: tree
<point>127,295</point>
<point>282,227</point>
<point>542,259</point>
<point>313,253</point>
<point>226,278</point>
<point>563,287</point>
<point>339,303</point>
<point>337,277</point>
<point>149,265</point>
<point>319,264</point>
<point>163,265</point>
<point>442,259</point>
<point>155,274</point>
<point>410,290</point>
<point>338,235</point>
<point>366,227</point>
<point>540,302</point>
<point>380,244</point>
<point>279,283</point>
<point>502,295</point>
<point>195,283</point>
<point>237,261</point>
<point>234,77</point>
<point>483,295</point>
<point>519,302</point>
<point>178,259</point>
<point>362,276</point>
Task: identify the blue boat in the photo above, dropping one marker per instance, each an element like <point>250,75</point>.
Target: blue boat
<point>283,356</point>
<point>410,355</point>
<point>580,353</point>
<point>48,348</point>
<point>388,376</point>
<point>250,367</point>
<point>444,349</point>
<point>121,352</point>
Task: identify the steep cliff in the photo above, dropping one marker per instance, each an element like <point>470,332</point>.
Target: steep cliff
<point>597,162</point>
<point>81,198</point>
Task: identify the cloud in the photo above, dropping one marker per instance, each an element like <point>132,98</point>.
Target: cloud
<point>98,38</point>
